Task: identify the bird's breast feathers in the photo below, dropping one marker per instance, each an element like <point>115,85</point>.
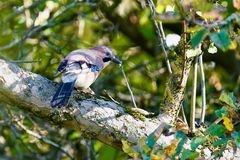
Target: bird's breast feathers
<point>84,75</point>
<point>84,80</point>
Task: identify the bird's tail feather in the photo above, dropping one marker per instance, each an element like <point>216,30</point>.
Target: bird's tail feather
<point>61,97</point>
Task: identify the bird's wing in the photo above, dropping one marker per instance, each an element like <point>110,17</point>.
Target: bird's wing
<point>61,67</point>
<point>61,97</point>
<point>82,66</point>
<point>80,59</point>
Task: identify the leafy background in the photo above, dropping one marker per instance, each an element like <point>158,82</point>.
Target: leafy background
<point>43,32</point>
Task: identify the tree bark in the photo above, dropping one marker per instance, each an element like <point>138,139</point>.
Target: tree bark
<point>94,117</point>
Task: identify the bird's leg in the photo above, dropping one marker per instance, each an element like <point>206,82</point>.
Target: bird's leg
<point>89,91</point>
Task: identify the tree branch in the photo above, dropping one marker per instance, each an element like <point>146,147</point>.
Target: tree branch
<point>93,117</point>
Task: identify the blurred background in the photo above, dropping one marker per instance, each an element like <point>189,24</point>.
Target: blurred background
<point>37,34</point>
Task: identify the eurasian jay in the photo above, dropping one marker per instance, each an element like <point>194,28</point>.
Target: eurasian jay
<point>80,69</point>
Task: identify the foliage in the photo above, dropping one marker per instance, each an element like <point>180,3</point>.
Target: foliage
<point>37,34</point>
<point>217,137</point>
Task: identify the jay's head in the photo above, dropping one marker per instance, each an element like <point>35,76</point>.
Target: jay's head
<point>106,54</point>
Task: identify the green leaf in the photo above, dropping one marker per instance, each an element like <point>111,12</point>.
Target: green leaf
<point>151,140</point>
<point>153,137</point>
<point>221,39</point>
<point>145,157</point>
<point>127,148</point>
<point>216,130</point>
<point>221,112</point>
<point>193,52</point>
<point>196,141</point>
<point>219,154</point>
<point>220,142</point>
<point>236,136</point>
<point>188,154</point>
<point>183,139</point>
<point>198,37</point>
<point>75,135</point>
<point>229,99</point>
<point>142,146</point>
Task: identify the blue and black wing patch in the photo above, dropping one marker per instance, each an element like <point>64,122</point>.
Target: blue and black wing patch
<point>61,97</point>
<point>61,68</point>
<point>94,68</point>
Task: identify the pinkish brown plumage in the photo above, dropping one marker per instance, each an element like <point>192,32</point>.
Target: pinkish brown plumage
<point>80,69</point>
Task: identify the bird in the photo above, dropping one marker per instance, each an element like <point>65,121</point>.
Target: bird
<point>79,69</point>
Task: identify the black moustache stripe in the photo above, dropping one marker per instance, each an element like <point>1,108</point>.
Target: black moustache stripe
<point>106,59</point>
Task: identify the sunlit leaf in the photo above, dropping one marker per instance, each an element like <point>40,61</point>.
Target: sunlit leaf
<point>183,139</point>
<point>194,29</point>
<point>198,37</point>
<point>170,150</point>
<point>236,136</point>
<point>106,152</point>
<point>215,81</point>
<point>221,112</point>
<point>182,126</point>
<point>129,150</point>
<point>212,49</point>
<point>220,142</point>
<point>227,123</point>
<point>143,146</point>
<point>158,157</point>
<point>167,17</point>
<point>196,141</point>
<point>193,52</point>
<point>172,40</point>
<point>211,14</point>
<point>157,153</point>
<point>216,130</point>
<point>236,4</point>
<point>221,39</point>
<point>153,137</point>
<point>188,154</point>
<point>151,140</point>
<point>229,99</point>
<point>233,45</point>
<point>146,157</point>
<point>146,27</point>
<point>75,135</point>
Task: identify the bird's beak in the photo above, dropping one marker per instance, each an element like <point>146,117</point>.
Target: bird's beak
<point>116,60</point>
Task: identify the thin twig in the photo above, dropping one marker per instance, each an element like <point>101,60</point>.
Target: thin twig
<point>111,97</point>
<point>184,24</point>
<point>233,17</point>
<point>21,9</point>
<point>50,23</point>
<point>161,35</point>
<point>217,23</point>
<point>217,121</point>
<point>162,31</point>
<point>9,117</point>
<point>128,85</point>
<point>34,134</point>
<point>16,134</point>
<point>184,115</point>
<point>25,61</point>
<point>203,89</point>
<point>193,100</point>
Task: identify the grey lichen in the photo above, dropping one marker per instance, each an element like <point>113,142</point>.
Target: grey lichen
<point>93,116</point>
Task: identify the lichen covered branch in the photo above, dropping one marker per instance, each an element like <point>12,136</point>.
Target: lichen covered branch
<point>93,117</point>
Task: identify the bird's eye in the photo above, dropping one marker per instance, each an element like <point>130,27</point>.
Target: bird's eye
<point>108,53</point>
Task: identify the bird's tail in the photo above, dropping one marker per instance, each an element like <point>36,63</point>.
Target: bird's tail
<point>61,97</point>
